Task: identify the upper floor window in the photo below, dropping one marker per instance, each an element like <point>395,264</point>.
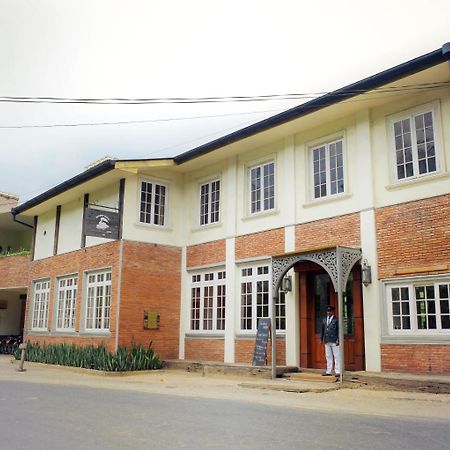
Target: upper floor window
<point>422,307</point>
<point>255,299</point>
<point>98,296</point>
<point>262,187</point>
<point>328,169</point>
<point>41,295</point>
<point>210,202</point>
<point>414,140</point>
<point>67,298</point>
<point>208,294</point>
<point>153,203</point>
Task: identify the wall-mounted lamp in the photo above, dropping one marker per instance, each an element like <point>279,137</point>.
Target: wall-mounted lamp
<point>366,273</point>
<point>286,284</point>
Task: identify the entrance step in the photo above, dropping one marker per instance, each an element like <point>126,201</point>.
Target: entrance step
<point>216,368</point>
<point>309,376</point>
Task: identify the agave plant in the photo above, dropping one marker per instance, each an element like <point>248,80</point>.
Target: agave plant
<point>98,357</point>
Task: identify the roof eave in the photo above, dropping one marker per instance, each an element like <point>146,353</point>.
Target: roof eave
<point>367,84</point>
<point>81,178</point>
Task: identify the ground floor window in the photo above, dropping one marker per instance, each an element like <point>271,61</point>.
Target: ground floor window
<point>67,297</point>
<point>255,299</point>
<point>98,300</point>
<point>208,298</point>
<point>41,295</point>
<point>419,307</point>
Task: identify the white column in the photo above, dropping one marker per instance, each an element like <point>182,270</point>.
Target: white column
<point>371,294</point>
<point>232,302</point>
<point>292,307</point>
<point>288,202</point>
<point>184,306</point>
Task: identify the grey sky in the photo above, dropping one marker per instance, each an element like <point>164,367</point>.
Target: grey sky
<point>108,48</point>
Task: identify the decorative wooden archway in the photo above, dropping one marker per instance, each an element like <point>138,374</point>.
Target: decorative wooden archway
<point>337,261</point>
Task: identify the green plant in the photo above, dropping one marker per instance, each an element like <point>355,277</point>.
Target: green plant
<point>19,252</point>
<point>137,357</point>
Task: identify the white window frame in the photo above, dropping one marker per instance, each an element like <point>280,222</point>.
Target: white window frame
<point>410,115</point>
<point>66,302</point>
<point>265,275</point>
<point>262,188</point>
<point>215,281</point>
<point>105,308</point>
<point>152,205</point>
<point>326,144</point>
<point>210,217</point>
<point>411,285</point>
<point>41,302</point>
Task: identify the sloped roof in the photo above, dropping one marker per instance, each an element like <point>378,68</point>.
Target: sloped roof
<point>405,69</point>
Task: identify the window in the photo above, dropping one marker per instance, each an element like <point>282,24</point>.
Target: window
<point>209,202</point>
<point>262,187</point>
<point>153,203</point>
<point>98,306</point>
<point>208,298</point>
<point>40,305</point>
<point>328,169</point>
<point>255,299</point>
<point>414,141</point>
<point>67,297</point>
<point>419,307</point>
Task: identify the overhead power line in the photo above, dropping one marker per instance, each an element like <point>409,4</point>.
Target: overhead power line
<point>191,100</point>
<point>388,93</point>
<point>127,122</point>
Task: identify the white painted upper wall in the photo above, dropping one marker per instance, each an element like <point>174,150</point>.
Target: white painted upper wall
<point>369,162</point>
<point>45,235</point>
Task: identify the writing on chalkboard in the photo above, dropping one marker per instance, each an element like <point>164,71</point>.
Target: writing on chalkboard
<point>262,338</point>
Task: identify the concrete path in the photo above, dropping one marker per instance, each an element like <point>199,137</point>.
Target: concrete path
<point>305,395</point>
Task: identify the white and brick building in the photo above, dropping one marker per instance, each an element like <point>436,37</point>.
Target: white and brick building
<point>365,167</point>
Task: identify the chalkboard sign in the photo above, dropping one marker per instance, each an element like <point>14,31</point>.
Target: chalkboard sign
<point>262,337</point>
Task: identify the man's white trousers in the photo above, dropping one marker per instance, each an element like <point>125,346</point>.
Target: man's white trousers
<point>332,352</point>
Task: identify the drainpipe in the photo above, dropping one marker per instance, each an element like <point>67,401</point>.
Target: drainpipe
<point>119,287</point>
<point>22,223</point>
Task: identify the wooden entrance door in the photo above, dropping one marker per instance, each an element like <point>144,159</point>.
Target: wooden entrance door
<point>316,293</point>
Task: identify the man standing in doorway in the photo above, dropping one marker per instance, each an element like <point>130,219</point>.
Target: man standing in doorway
<point>329,334</point>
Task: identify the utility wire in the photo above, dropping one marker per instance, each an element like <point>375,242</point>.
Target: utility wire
<point>191,100</point>
<point>127,122</point>
<point>428,86</point>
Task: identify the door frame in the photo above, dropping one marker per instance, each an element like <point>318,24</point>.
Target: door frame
<point>311,351</point>
<point>337,260</point>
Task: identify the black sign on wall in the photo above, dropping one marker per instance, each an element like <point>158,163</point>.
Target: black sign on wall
<point>101,223</point>
<point>262,338</point>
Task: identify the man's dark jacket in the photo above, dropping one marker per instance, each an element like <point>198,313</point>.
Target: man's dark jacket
<point>329,333</point>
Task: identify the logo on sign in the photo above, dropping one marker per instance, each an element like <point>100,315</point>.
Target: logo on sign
<point>103,223</point>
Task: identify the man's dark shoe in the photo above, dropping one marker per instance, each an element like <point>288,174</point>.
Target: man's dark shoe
<point>327,374</point>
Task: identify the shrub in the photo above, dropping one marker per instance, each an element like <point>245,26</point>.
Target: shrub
<point>137,357</point>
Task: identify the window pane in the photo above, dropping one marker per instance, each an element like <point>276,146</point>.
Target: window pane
<point>445,322</point>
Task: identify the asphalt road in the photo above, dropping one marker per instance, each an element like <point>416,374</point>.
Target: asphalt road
<point>46,416</point>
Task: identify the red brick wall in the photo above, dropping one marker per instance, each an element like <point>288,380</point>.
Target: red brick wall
<point>260,244</point>
<point>89,258</point>
<point>414,234</point>
<point>14,271</point>
<point>151,280</point>
<point>341,230</point>
<point>244,349</point>
<point>208,253</point>
<point>416,358</point>
<point>204,350</point>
